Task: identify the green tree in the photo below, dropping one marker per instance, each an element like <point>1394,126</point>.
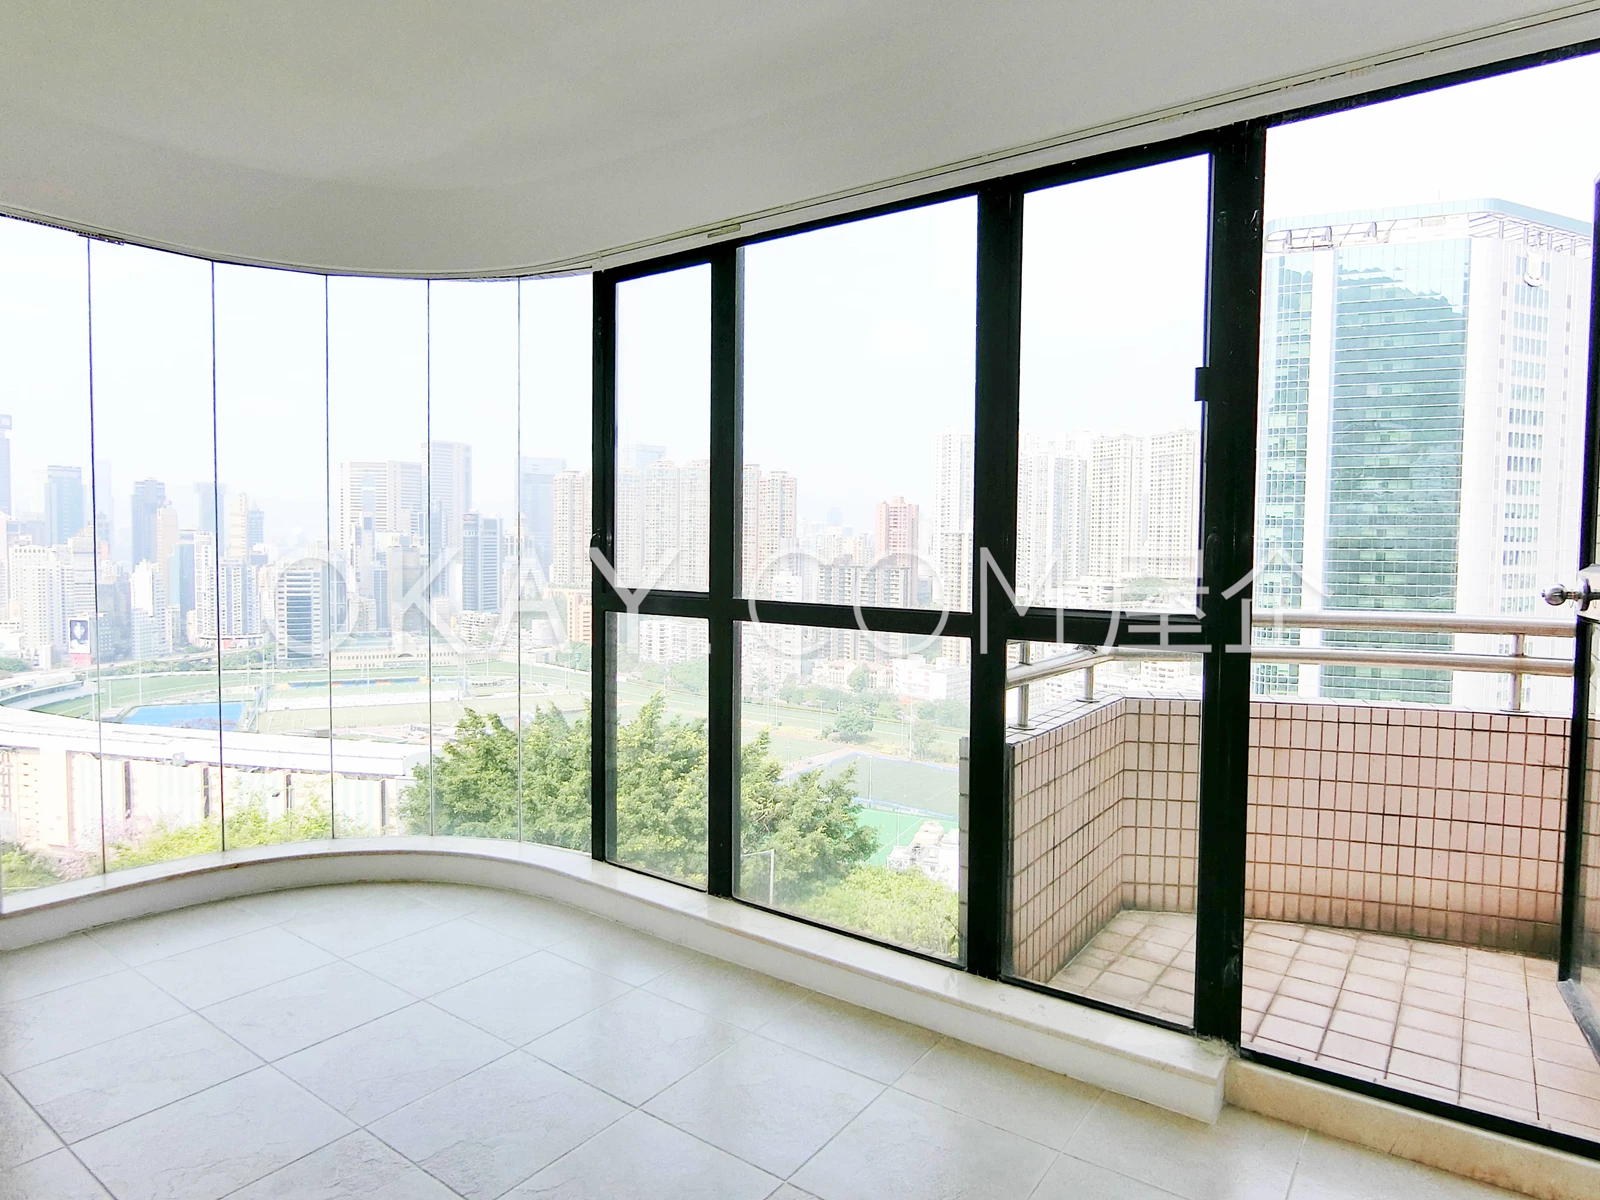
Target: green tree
<point>661,792</point>
<point>899,906</point>
<point>23,868</point>
<point>853,724</point>
<point>249,824</point>
<point>812,824</point>
<point>475,778</point>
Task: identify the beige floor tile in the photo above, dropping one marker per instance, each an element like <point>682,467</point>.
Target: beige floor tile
<point>1564,1106</point>
<point>1420,1067</point>
<point>1291,1033</point>
<point>1372,985</point>
<point>1490,993</point>
<point>1557,1030</point>
<point>1566,1054</point>
<point>1545,999</point>
<point>1262,960</point>
<point>1440,1002</point>
<point>1321,973</point>
<point>1322,955</point>
<point>1378,1007</point>
<point>1516,1041</point>
<point>1355,1050</point>
<point>1433,1022</point>
<point>1285,1005</point>
<point>1476,1084</point>
<point>1321,994</point>
<point>1432,981</point>
<point>1377,968</point>
<point>1374,1029</point>
<point>1137,968</point>
<point>1434,1045</point>
<point>1500,1062</point>
<point>1495,1014</point>
<point>1577,1080</point>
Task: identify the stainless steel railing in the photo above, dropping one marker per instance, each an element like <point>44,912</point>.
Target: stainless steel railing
<point>1518,663</point>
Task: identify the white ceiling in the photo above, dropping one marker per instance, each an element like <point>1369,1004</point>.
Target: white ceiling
<point>413,137</point>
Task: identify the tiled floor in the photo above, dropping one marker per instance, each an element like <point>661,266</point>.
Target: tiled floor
<point>413,1042</point>
<point>1477,1028</point>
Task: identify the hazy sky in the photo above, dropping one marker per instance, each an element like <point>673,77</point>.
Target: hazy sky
<point>858,339</point>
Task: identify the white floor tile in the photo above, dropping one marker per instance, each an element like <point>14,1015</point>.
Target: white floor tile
<point>642,1157</point>
<point>537,922</point>
<point>346,921</point>
<point>766,1103</point>
<point>903,1147</point>
<point>1241,1157</point>
<point>1073,1179</point>
<point>303,1010</point>
<point>39,1028</point>
<point>81,1094</point>
<point>744,998</point>
<point>636,1045</point>
<point>497,1126</point>
<point>211,1143</point>
<point>457,899</point>
<point>850,1037</point>
<point>232,967</point>
<point>357,1167</point>
<point>1019,1097</point>
<point>530,997</point>
<point>441,957</point>
<point>621,953</point>
<point>166,934</point>
<point>57,1176</point>
<point>35,970</point>
<point>387,1063</point>
<point>1333,1170</point>
<point>23,1134</point>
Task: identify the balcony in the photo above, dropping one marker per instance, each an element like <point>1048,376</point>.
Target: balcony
<point>1403,872</point>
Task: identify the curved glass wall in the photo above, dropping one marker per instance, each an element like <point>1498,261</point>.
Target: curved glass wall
<point>287,557</point>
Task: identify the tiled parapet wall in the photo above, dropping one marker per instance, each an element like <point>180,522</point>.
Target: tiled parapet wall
<point>1436,823</point>
<point>1103,809</point>
<point>1433,823</point>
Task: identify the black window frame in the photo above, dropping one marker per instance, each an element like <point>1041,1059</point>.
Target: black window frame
<point>1227,387</point>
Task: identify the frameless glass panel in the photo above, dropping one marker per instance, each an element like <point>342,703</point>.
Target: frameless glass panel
<point>472,474</point>
<point>380,589</point>
<point>1113,327</point>
<point>273,563</point>
<point>158,537</point>
<point>1424,342</point>
<point>663,396</point>
<point>660,749</point>
<point>1103,748</point>
<point>50,788</point>
<point>556,619</point>
<point>851,808</point>
<point>858,417</point>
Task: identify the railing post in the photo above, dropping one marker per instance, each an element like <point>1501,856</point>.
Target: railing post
<point>1088,683</point>
<point>1519,645</point>
<point>1024,656</point>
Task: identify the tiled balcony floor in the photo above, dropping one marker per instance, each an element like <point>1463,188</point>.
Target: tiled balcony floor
<point>422,1042</point>
<point>1478,1028</point>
